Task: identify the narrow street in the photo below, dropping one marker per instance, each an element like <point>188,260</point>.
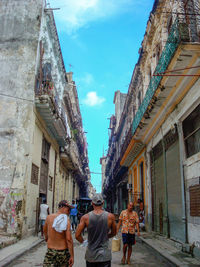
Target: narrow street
<point>142,256</point>
<point>100,109</point>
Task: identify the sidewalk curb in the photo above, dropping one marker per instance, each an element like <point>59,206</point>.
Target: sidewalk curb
<point>167,256</point>
<point>11,258</point>
<point>6,243</point>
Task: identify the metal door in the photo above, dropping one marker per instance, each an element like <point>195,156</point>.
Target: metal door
<point>176,225</point>
<point>159,194</point>
<point>158,185</point>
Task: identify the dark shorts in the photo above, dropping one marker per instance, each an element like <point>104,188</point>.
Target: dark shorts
<point>42,222</point>
<point>98,264</point>
<point>128,239</point>
<point>56,258</point>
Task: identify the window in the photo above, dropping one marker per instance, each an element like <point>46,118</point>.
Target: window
<point>50,183</point>
<point>45,150</point>
<point>34,174</point>
<point>191,133</point>
<point>139,98</point>
<point>158,53</point>
<point>169,23</point>
<point>194,200</point>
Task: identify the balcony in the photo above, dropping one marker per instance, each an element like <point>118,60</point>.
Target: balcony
<point>180,33</point>
<point>46,102</point>
<point>66,158</point>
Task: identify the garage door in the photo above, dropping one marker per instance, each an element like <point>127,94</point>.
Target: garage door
<point>158,190</point>
<point>176,225</point>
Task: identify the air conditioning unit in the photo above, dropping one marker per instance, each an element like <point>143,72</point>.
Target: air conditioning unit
<point>129,186</point>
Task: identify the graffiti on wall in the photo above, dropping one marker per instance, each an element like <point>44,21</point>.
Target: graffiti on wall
<point>15,204</point>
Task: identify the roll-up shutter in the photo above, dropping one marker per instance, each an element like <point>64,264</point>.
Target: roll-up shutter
<point>177,226</point>
<point>158,188</point>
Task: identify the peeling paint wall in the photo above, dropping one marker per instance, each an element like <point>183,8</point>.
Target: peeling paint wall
<point>19,31</point>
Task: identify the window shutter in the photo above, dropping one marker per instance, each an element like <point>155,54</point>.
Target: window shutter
<point>34,174</point>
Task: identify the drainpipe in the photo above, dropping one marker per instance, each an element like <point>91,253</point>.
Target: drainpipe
<point>183,192</point>
<point>165,184</point>
<point>54,184</point>
<point>152,191</point>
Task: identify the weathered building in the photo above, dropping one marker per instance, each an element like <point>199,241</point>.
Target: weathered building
<point>92,190</point>
<point>162,148</point>
<point>43,152</point>
<point>116,176</point>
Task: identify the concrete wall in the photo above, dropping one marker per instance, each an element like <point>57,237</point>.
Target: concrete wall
<point>22,26</point>
<point>32,189</point>
<point>19,31</point>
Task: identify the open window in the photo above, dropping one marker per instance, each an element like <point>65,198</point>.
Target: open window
<point>191,132</point>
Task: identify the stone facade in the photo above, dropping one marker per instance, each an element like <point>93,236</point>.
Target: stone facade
<point>35,124</point>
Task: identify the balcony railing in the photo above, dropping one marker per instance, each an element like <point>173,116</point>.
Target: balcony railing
<point>179,33</point>
<point>126,142</point>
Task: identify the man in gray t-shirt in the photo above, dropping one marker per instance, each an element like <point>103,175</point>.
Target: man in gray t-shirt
<point>101,226</point>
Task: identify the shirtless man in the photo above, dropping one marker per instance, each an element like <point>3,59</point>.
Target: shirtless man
<point>58,236</point>
<point>101,226</point>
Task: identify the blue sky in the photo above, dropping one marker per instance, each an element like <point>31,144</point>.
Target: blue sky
<point>100,39</point>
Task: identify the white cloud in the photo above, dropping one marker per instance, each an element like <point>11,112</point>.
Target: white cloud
<point>74,14</point>
<point>92,99</point>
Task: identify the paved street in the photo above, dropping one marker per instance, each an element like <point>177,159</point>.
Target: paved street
<point>142,256</point>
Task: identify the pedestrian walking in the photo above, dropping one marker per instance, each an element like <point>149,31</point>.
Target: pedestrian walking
<point>57,232</point>
<point>44,212</point>
<point>141,215</point>
<point>101,226</point>
<point>73,215</point>
<point>129,221</point>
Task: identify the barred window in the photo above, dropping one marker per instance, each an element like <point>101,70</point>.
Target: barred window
<point>191,132</point>
<point>34,174</point>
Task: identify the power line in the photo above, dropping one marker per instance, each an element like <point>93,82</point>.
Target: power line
<point>165,73</point>
<point>20,98</point>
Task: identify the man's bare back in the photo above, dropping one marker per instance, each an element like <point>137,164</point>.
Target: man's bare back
<point>55,240</point>
<point>59,243</point>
